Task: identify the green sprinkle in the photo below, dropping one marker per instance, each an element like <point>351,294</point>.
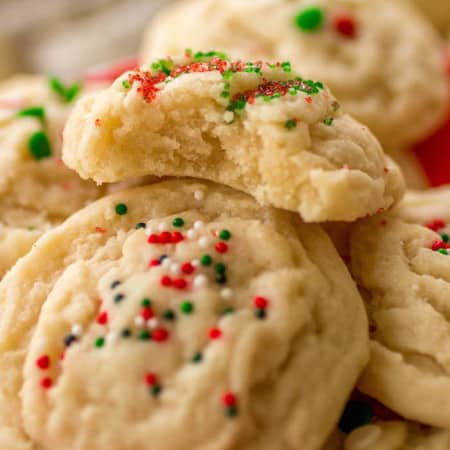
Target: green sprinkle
<point>146,302</point>
<point>228,310</point>
<point>221,278</point>
<point>443,251</point>
<point>67,94</point>
<point>34,111</point>
<point>144,335</point>
<point>188,52</point>
<point>169,315</point>
<point>290,124</point>
<point>156,390</point>
<point>225,235</point>
<point>39,145</point>
<point>286,66</point>
<point>31,228</point>
<point>231,411</point>
<point>328,121</point>
<point>155,66</point>
<point>335,105</point>
<point>208,55</point>
<point>444,237</point>
<point>197,358</point>
<point>260,313</point>
<point>126,84</point>
<point>140,225</point>
<point>72,92</point>
<point>126,333</point>
<point>121,209</point>
<point>224,94</point>
<point>206,260</point>
<point>57,86</point>
<point>118,298</point>
<point>178,222</point>
<point>100,342</point>
<point>220,268</point>
<point>309,19</point>
<point>187,307</point>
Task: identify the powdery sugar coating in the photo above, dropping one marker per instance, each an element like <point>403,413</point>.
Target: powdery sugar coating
<point>359,48</point>
<point>289,144</point>
<point>264,368</point>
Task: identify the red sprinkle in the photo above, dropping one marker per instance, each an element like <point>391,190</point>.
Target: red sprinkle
<point>98,122</point>
<point>215,333</point>
<point>345,25</point>
<point>102,318</point>
<point>160,335</point>
<point>177,237</point>
<point>308,100</point>
<point>147,314</point>
<point>43,362</point>
<point>436,224</point>
<point>151,379</point>
<point>166,280</point>
<point>229,399</point>
<point>100,229</point>
<point>187,268</point>
<point>179,283</point>
<point>46,383</point>
<point>165,237</point>
<point>153,239</point>
<point>261,302</point>
<point>154,262</point>
<point>437,245</point>
<point>221,247</point>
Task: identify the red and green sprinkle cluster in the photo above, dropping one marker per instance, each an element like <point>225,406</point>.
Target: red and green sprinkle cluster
<point>441,246</point>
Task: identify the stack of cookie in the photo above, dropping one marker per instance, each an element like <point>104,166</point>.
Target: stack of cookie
<point>266,288</point>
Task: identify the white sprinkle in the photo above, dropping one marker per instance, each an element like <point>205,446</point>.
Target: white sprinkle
<point>200,281</point>
<point>198,225</point>
<point>199,195</point>
<point>204,241</point>
<point>228,116</point>
<point>152,323</point>
<point>163,226</point>
<point>175,268</point>
<point>139,321</point>
<point>166,263</point>
<point>195,262</point>
<point>111,337</point>
<point>226,294</point>
<point>191,234</point>
<point>77,330</point>
<point>42,343</point>
<point>148,231</point>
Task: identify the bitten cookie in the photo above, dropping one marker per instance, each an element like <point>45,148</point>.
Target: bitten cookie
<point>36,190</point>
<point>403,272</point>
<point>257,127</point>
<point>380,58</point>
<point>178,315</point>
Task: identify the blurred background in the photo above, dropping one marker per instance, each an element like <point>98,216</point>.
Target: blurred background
<point>65,37</point>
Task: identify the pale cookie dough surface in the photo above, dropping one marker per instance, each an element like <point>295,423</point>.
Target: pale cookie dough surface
<point>438,11</point>
<point>35,194</point>
<point>127,342</point>
<point>392,435</point>
<point>364,65</point>
<point>255,127</point>
<point>403,272</point>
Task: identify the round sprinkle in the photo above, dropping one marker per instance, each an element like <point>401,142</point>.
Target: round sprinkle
<point>139,321</point>
<point>200,281</point>
<point>226,294</point>
<point>100,342</point>
<point>121,209</point>
<point>146,302</point>
<point>225,235</point>
<point>177,237</point>
<point>220,268</point>
<point>175,268</point>
<point>195,263</point>
<point>43,362</point>
<point>39,145</point>
<point>197,358</point>
<point>118,298</point>
<point>356,414</point>
<point>111,337</point>
<point>165,237</point>
<point>187,268</point>
<point>178,222</point>
<point>199,195</point>
<point>166,262</point>
<point>221,278</point>
<point>46,383</point>
<point>290,124</point>
<point>163,226</point>
<point>260,302</point>
<point>114,284</point>
<point>77,330</point>
<point>344,24</point>
<point>152,323</point>
<point>445,237</point>
<point>179,283</point>
<point>206,260</point>
<point>309,19</point>
<point>160,335</point>
<point>229,399</point>
<point>166,281</point>
<point>260,313</point>
<point>191,234</point>
<point>154,262</point>
<point>221,247</point>
<point>215,333</point>
<point>102,318</point>
<point>69,340</point>
<point>125,333</point>
<point>169,315</point>
<point>186,307</point>
<point>147,314</point>
<point>198,225</point>
<point>328,121</point>
<point>156,390</point>
<point>144,335</point>
<point>228,310</point>
<point>204,241</point>
<point>140,225</point>
<point>153,238</point>
<point>151,379</point>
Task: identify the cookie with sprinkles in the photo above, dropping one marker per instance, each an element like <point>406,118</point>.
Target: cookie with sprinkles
<point>36,190</point>
<point>255,126</point>
<point>403,271</point>
<point>198,319</point>
<point>359,48</point>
